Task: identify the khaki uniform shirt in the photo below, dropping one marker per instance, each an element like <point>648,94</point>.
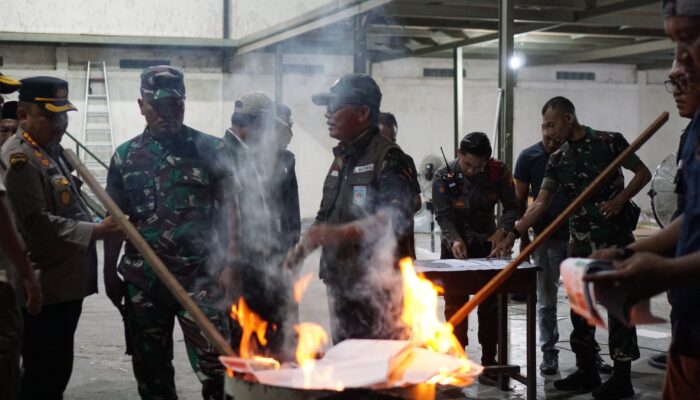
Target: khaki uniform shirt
<point>52,218</point>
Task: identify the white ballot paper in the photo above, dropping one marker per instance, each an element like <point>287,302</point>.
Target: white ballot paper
<point>471,264</point>
<point>365,363</point>
<point>585,297</point>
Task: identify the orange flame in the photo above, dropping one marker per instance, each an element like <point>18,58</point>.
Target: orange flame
<point>420,313</point>
<point>312,338</point>
<point>300,287</point>
<point>251,323</point>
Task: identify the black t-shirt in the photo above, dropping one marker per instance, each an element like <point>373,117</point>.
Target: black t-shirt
<point>530,169</point>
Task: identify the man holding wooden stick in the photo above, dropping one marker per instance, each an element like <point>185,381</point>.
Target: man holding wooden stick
<point>607,219</point>
<point>644,271</point>
<point>174,183</point>
<point>59,231</point>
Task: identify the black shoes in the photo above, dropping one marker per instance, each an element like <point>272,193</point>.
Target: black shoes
<point>615,388</point>
<point>549,365</point>
<point>579,381</point>
<point>658,361</point>
<point>602,366</point>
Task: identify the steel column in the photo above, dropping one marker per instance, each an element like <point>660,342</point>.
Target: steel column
<point>506,81</point>
<point>359,51</point>
<point>279,73</point>
<point>458,90</point>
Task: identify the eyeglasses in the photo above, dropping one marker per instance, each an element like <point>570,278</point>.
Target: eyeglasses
<point>680,84</point>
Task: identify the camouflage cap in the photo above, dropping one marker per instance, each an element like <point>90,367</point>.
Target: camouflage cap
<point>48,92</point>
<point>8,85</point>
<point>689,8</point>
<point>161,81</point>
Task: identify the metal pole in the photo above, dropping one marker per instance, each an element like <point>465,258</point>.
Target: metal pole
<point>360,45</point>
<point>505,81</point>
<point>458,90</point>
<point>279,73</point>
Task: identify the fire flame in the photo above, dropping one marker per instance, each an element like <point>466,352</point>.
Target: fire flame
<point>420,313</point>
<point>251,323</point>
<point>312,338</point>
<point>300,287</point>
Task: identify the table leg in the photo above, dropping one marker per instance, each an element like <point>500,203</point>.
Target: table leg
<point>504,379</point>
<point>531,347</point>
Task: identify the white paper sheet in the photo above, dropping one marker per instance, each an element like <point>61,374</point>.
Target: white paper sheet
<point>472,264</point>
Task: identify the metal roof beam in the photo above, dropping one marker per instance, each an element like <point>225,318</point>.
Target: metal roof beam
<point>604,54</point>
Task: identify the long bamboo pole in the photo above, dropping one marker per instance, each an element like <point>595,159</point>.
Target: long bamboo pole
<point>506,272</point>
<point>147,252</point>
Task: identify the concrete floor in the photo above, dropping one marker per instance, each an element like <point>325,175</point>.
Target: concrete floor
<point>101,370</point>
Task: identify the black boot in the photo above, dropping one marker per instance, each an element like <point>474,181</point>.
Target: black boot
<point>619,386</point>
<point>488,359</point>
<point>581,381</point>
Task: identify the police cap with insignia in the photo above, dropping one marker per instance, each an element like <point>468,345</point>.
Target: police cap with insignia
<point>47,92</point>
<point>162,81</point>
<point>8,85</point>
<point>351,89</point>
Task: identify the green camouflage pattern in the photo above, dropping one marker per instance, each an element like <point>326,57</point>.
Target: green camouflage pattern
<point>571,169</point>
<point>151,337</point>
<point>162,81</point>
<point>171,191</point>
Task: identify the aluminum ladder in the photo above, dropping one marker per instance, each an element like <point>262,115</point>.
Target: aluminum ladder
<point>97,121</point>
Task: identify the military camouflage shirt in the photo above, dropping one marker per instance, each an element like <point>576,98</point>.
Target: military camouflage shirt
<point>172,189</point>
<point>571,169</point>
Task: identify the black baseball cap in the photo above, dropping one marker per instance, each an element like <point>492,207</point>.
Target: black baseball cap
<point>48,92</point>
<point>357,89</point>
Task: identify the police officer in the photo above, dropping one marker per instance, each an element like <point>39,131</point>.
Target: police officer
<point>367,203</point>
<point>8,121</point>
<point>59,230</point>
<point>174,184</point>
<point>465,197</point>
<point>606,220</point>
<point>13,260</point>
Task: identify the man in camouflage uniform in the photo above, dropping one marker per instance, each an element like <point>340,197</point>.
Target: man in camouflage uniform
<point>465,195</point>
<point>605,220</point>
<point>59,231</point>
<point>367,204</point>
<point>174,184</point>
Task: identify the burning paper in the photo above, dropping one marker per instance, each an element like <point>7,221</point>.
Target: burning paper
<point>584,297</point>
<point>432,355</point>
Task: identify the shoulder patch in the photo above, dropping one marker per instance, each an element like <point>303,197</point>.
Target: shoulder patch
<point>18,161</point>
<point>493,169</point>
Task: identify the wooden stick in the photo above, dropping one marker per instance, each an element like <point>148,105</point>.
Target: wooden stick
<point>506,272</point>
<point>147,252</point>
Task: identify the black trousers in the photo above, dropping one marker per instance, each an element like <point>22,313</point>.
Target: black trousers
<point>487,313</point>
<point>47,350</point>
<point>10,343</point>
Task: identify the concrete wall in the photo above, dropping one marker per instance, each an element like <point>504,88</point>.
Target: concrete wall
<point>620,99</point>
<point>251,16</point>
<point>180,18</point>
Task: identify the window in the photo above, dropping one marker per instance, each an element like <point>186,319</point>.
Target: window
<point>441,72</point>
<point>141,64</point>
<point>575,76</point>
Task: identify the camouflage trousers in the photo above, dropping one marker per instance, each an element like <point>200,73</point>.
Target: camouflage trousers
<point>150,333</point>
<point>621,340</point>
